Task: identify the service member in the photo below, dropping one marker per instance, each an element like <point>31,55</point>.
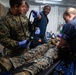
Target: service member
<point>14,29</point>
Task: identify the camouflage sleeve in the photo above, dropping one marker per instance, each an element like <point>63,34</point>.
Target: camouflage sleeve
<point>5,39</point>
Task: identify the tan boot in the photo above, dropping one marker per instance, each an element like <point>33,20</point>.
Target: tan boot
<point>5,64</point>
<point>23,73</point>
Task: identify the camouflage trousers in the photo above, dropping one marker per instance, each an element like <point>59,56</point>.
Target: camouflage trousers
<point>42,57</point>
<point>30,56</point>
<point>44,62</point>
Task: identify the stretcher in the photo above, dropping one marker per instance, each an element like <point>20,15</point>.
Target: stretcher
<point>57,68</point>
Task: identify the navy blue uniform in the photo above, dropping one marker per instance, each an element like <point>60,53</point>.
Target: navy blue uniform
<point>42,24</point>
<point>69,34</point>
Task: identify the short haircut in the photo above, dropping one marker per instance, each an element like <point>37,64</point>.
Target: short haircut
<point>27,4</point>
<point>14,2</point>
<point>46,7</point>
<point>70,10</point>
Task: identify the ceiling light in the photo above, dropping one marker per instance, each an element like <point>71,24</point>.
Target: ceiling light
<point>56,0</point>
<point>48,1</point>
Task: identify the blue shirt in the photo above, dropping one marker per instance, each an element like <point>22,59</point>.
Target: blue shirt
<point>42,24</point>
<point>63,28</point>
<point>69,34</point>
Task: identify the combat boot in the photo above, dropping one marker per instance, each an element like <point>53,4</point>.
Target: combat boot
<point>23,73</point>
<point>5,64</point>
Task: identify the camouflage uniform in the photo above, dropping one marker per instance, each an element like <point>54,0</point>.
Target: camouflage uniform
<point>36,54</point>
<point>43,63</point>
<point>11,32</point>
<point>30,56</point>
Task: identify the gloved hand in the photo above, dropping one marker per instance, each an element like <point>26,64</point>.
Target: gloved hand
<point>35,14</point>
<point>37,31</point>
<point>59,35</point>
<point>24,43</point>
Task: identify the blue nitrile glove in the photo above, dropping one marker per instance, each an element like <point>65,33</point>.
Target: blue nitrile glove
<point>35,14</point>
<point>59,35</point>
<point>24,43</point>
<point>37,31</point>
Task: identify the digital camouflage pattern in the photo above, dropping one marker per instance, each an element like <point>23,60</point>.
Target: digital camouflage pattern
<point>42,63</point>
<point>42,56</point>
<point>31,55</point>
<point>11,31</point>
<point>46,60</point>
